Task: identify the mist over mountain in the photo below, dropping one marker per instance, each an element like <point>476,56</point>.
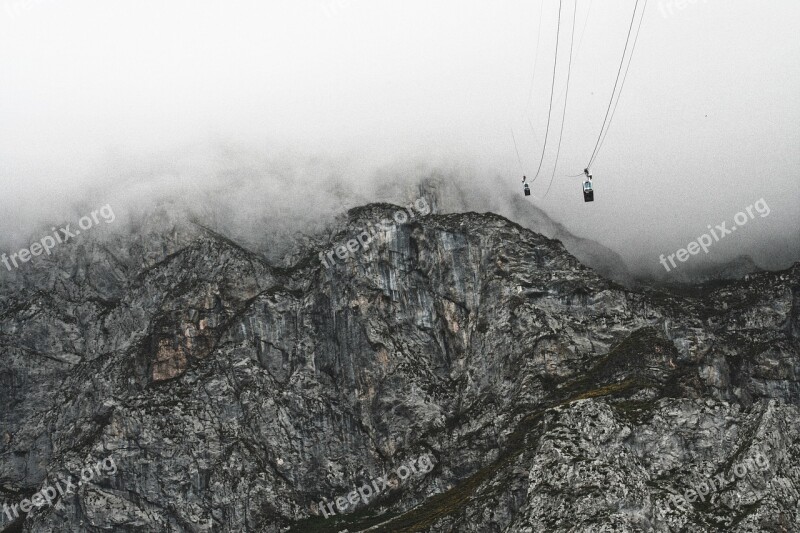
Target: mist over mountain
<point>493,380</point>
<point>269,266</point>
<point>270,119</point>
<point>273,204</point>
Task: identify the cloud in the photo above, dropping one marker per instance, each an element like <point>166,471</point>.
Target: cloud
<point>273,117</point>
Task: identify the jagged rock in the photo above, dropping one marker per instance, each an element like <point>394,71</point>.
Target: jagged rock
<point>234,395</point>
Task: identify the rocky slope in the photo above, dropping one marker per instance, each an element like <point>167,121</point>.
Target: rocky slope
<point>234,395</point>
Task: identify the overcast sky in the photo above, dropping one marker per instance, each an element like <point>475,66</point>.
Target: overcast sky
<point>707,124</point>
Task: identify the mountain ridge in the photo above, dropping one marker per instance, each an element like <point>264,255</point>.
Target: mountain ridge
<point>245,394</point>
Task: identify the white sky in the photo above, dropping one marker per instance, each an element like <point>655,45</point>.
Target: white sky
<point>708,122</point>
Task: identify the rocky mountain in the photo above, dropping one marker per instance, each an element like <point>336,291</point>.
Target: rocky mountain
<point>735,268</point>
<point>518,390</point>
<point>446,197</point>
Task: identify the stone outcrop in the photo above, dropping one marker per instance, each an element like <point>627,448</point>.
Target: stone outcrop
<point>235,395</point>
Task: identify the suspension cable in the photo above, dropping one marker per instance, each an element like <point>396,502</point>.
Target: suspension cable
<point>583,31</point>
<point>530,90</point>
<point>533,133</point>
<point>624,76</point>
<point>619,71</point>
<point>566,100</point>
<point>552,90</point>
<point>519,159</point>
<point>535,56</point>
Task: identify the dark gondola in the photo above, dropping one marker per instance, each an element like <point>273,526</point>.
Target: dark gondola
<point>527,190</point>
<point>588,191</point>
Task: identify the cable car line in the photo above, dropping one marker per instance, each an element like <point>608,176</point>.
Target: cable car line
<point>566,100</point>
<point>530,90</point>
<point>516,150</point>
<point>535,57</point>
<point>552,90</point>
<point>531,126</point>
<point>613,103</point>
<point>583,31</point>
<point>616,82</point>
<point>624,76</point>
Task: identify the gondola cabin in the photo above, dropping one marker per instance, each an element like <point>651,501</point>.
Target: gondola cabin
<point>588,191</point>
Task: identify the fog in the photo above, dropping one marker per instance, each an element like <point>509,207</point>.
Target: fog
<point>275,116</point>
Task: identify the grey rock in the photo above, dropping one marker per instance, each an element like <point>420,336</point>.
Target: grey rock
<point>235,395</point>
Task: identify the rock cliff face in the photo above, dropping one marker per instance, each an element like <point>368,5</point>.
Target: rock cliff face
<point>233,395</point>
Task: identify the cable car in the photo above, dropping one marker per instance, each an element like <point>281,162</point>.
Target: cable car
<point>527,190</point>
<point>588,192</point>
